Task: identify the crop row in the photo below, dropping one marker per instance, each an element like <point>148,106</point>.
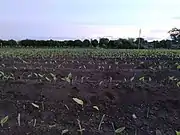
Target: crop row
<point>103,53</point>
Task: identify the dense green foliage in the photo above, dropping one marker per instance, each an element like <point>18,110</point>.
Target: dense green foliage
<point>94,43</point>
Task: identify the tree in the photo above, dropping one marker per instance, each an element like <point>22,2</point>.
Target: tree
<point>78,43</point>
<point>94,43</point>
<point>27,43</point>
<point>103,42</point>
<point>131,40</point>
<point>12,43</point>
<point>175,35</point>
<point>86,43</point>
<point>70,43</point>
<point>111,44</point>
<point>141,42</point>
<point>118,43</point>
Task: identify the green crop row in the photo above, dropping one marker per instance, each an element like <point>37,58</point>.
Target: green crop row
<point>104,53</point>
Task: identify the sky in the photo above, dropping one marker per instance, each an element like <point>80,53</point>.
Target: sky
<point>80,19</point>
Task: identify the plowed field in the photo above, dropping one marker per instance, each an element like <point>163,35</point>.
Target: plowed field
<point>141,96</point>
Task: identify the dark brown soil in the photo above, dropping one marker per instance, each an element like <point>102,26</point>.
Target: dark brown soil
<point>105,83</point>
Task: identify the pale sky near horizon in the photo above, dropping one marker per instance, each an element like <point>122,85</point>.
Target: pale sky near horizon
<point>47,19</point>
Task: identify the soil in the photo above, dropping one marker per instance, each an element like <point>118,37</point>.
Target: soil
<point>113,85</point>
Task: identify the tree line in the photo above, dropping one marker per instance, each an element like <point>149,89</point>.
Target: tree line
<point>120,43</point>
<point>93,43</point>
